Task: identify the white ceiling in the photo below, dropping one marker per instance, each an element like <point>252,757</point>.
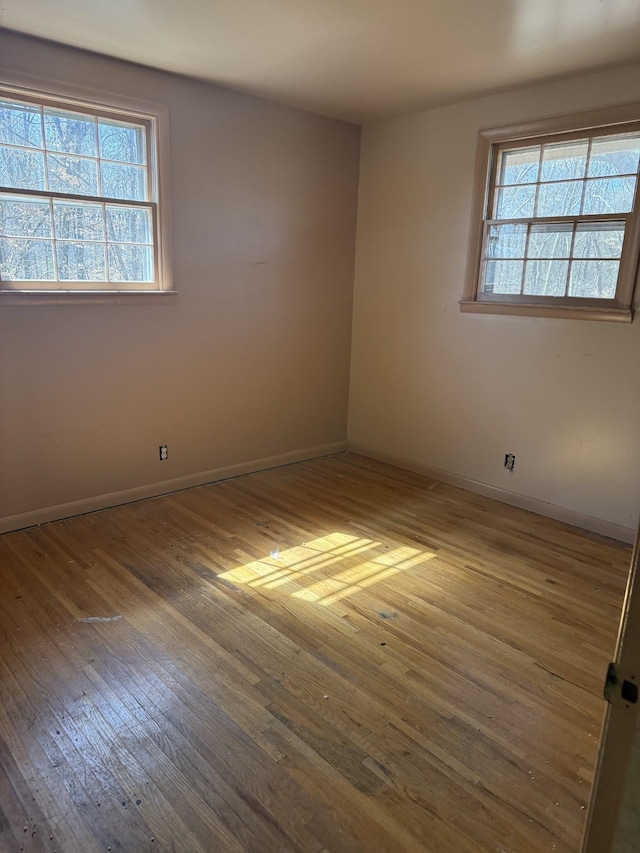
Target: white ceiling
<point>353,59</point>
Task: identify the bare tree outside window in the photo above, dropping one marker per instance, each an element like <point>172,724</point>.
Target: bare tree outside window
<point>552,229</point>
<point>76,200</point>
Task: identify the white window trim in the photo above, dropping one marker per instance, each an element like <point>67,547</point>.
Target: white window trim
<point>488,141</point>
<point>157,115</point>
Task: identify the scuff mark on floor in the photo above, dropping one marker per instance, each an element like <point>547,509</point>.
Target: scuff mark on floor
<point>100,619</point>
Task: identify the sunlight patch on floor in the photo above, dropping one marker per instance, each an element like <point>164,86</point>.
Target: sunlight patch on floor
<point>357,562</point>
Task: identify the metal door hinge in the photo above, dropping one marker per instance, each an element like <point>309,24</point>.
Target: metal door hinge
<point>620,689</point>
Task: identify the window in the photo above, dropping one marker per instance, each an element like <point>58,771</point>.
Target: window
<point>79,207</point>
<point>556,218</point>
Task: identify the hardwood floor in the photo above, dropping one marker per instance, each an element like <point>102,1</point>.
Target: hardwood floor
<point>332,656</point>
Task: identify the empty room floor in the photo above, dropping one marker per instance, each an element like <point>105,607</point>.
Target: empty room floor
<point>332,656</point>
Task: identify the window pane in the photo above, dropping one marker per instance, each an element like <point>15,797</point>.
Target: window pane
<point>563,161</point>
<point>128,224</point>
<point>614,155</point>
<point>70,133</point>
<point>594,279</point>
<point>21,169</point>
<point>120,181</point>
<point>599,240</point>
<point>81,261</point>
<point>609,195</point>
<point>75,221</point>
<point>550,240</point>
<point>26,260</point>
<point>72,175</point>
<point>20,217</point>
<point>515,202</point>
<point>506,241</point>
<point>519,166</point>
<point>20,124</point>
<point>559,199</point>
<point>502,276</point>
<point>123,142</point>
<point>546,278</point>
<point>130,263</point>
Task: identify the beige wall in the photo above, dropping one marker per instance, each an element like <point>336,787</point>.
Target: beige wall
<point>457,391</point>
<point>252,360</point>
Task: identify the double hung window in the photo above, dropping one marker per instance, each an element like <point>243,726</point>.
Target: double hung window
<point>78,198</point>
<point>559,223</point>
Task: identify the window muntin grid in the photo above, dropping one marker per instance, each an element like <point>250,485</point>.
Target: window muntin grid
<point>578,186</point>
<point>87,163</point>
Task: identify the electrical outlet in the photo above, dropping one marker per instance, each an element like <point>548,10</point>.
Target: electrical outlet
<point>163,452</point>
<point>509,461</point>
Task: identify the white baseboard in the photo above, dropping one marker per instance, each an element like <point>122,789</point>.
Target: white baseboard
<point>569,516</point>
<point>154,490</point>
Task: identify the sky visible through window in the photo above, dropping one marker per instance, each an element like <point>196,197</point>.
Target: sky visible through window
<point>578,180</point>
<point>52,238</point>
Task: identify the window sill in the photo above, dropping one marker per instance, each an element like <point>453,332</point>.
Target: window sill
<point>94,297</point>
<point>566,312</point>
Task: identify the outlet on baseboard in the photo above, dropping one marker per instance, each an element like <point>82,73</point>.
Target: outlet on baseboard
<point>509,461</point>
<point>163,452</point>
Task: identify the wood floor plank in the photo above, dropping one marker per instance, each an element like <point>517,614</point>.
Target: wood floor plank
<point>330,656</point>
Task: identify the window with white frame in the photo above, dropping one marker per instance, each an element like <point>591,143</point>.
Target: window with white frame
<point>78,198</point>
<point>559,219</point>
